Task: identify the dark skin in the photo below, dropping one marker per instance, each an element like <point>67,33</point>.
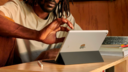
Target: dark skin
<point>46,35</point>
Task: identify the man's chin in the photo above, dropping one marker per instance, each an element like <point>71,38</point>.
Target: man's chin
<point>48,11</point>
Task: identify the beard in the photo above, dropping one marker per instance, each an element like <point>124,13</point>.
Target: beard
<point>45,7</point>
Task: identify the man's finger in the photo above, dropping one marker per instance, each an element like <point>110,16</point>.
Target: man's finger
<point>62,21</point>
<point>60,40</point>
<point>64,29</point>
<point>70,25</point>
<point>67,22</point>
<point>58,29</point>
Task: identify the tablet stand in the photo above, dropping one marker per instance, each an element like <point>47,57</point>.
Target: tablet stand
<point>67,58</point>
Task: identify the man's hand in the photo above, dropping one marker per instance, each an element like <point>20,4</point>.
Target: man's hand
<point>48,34</point>
<point>50,54</point>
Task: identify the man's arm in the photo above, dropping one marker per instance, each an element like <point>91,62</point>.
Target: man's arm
<point>9,28</point>
<point>46,35</point>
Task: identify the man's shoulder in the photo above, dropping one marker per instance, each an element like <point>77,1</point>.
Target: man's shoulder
<point>17,1</point>
<point>12,3</point>
<point>19,4</point>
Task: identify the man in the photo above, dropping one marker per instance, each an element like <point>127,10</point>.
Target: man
<point>38,20</point>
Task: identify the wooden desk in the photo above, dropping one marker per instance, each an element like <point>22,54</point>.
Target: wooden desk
<point>109,61</point>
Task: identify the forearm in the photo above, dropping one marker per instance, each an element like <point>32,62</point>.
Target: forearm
<point>11,29</point>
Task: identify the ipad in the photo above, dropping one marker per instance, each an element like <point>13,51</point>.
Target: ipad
<point>81,46</point>
<point>83,40</point>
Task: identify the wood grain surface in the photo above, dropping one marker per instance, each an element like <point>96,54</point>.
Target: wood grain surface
<point>99,15</point>
<point>109,61</point>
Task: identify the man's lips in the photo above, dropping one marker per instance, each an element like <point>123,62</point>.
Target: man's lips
<point>51,4</point>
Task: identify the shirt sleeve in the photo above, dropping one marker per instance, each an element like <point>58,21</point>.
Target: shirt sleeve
<point>72,20</point>
<point>9,8</point>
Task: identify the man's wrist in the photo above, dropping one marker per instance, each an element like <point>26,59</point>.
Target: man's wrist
<point>37,36</point>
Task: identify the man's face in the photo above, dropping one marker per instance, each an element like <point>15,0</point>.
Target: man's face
<point>48,5</point>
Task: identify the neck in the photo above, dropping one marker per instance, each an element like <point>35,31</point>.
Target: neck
<point>39,12</point>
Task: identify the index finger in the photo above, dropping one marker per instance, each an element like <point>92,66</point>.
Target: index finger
<point>68,22</point>
<point>70,25</point>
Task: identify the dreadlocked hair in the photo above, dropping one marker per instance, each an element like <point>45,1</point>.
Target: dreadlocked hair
<point>62,7</point>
